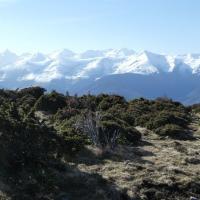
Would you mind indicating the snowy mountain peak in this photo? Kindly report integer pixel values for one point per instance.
(119, 52)
(112, 53)
(7, 57)
(121, 71)
(37, 57)
(62, 54)
(92, 54)
(92, 64)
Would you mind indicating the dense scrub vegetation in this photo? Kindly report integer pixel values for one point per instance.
(38, 130)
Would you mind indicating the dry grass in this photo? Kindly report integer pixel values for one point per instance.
(156, 169)
(152, 170)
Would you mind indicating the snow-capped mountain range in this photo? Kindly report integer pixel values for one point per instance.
(121, 71)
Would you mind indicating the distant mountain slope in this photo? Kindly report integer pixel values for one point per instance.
(121, 71)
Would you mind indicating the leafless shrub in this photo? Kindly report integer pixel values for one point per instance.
(103, 134)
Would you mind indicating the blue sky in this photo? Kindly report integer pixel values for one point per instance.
(162, 26)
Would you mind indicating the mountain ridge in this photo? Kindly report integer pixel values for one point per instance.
(81, 72)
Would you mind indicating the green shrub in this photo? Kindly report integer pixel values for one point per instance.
(130, 136)
(51, 102)
(195, 108)
(66, 113)
(171, 130)
(107, 101)
(36, 92)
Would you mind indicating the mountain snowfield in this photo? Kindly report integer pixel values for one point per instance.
(120, 71)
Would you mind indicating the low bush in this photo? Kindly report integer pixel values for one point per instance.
(51, 102)
(170, 130)
(130, 136)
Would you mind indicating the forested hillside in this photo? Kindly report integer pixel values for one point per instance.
(56, 146)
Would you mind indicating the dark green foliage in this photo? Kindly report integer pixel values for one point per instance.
(195, 108)
(106, 131)
(31, 153)
(127, 134)
(51, 102)
(131, 135)
(171, 130)
(87, 102)
(36, 92)
(156, 114)
(8, 94)
(167, 117)
(107, 101)
(109, 132)
(152, 114)
(32, 149)
(29, 144)
(66, 113)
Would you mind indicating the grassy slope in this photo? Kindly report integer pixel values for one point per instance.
(157, 169)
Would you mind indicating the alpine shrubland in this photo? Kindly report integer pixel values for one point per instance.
(56, 146)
